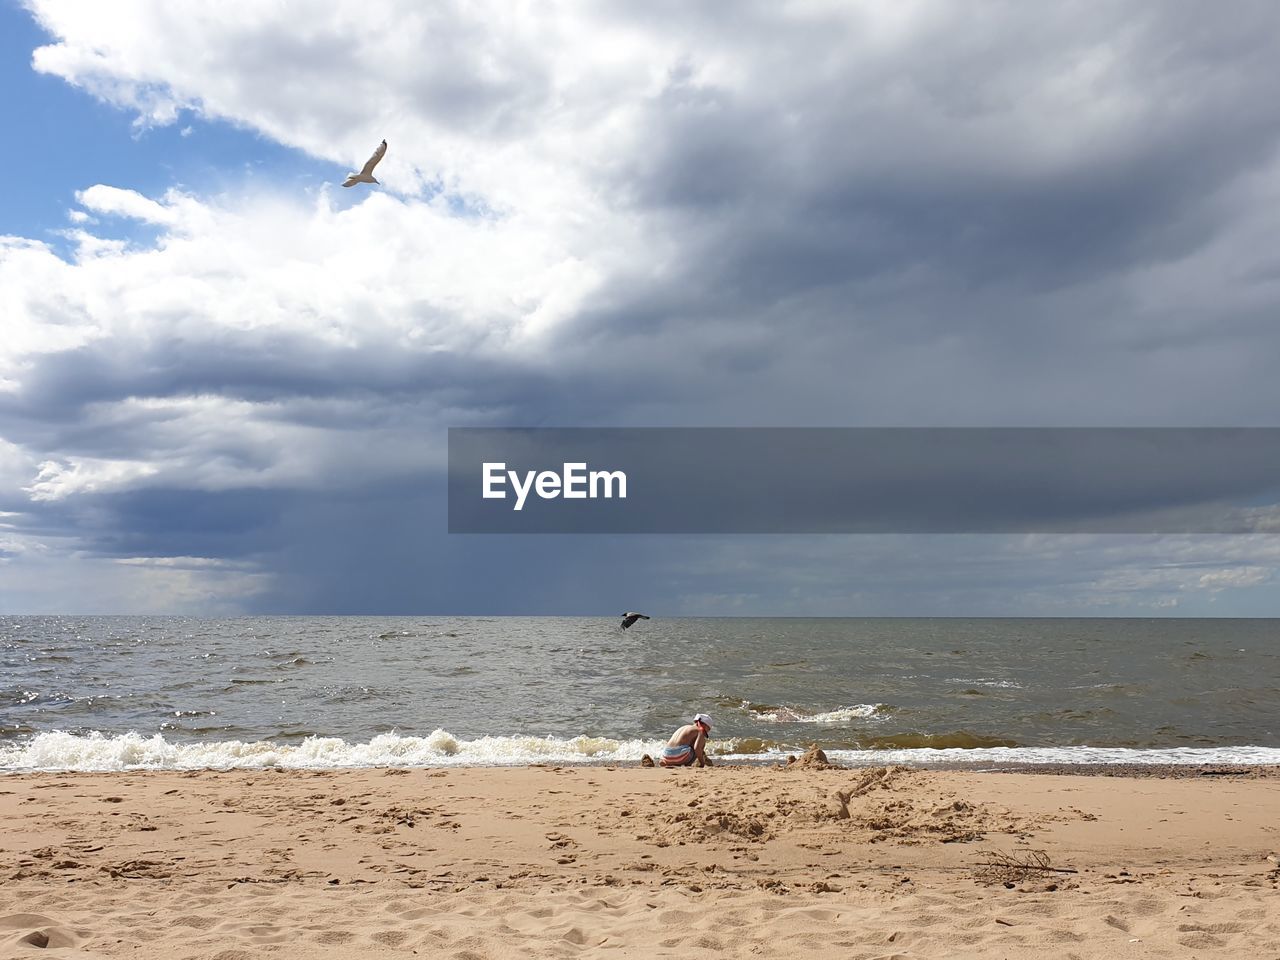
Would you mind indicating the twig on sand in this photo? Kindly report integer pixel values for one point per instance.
(1014, 868)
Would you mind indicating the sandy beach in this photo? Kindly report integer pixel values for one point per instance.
(632, 862)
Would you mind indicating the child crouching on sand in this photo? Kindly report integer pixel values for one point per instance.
(687, 746)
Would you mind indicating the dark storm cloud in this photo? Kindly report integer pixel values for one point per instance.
(223, 525)
(259, 369)
(952, 156)
(943, 233)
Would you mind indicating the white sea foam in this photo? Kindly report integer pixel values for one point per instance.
(860, 711)
(1249, 756)
(132, 751)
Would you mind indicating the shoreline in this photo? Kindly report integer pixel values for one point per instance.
(560, 860)
(1118, 769)
(1160, 771)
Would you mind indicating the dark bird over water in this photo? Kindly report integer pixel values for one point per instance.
(366, 172)
(629, 618)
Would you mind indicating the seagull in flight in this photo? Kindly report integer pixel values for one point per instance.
(629, 618)
(366, 172)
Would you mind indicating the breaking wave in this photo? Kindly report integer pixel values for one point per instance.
(784, 714)
(132, 751)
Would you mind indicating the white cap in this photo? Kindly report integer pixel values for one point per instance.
(704, 718)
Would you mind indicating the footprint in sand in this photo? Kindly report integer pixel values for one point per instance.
(195, 921)
(1201, 941)
(334, 936)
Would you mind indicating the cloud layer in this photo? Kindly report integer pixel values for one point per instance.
(808, 213)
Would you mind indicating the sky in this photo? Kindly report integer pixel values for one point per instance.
(226, 382)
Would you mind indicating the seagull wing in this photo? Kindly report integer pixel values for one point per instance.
(367, 169)
(351, 181)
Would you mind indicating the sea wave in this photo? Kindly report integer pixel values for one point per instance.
(133, 751)
(785, 714)
(97, 752)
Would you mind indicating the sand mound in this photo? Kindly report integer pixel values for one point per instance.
(812, 759)
(22, 932)
(720, 823)
(909, 821)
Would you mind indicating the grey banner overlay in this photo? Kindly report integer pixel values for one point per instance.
(877, 480)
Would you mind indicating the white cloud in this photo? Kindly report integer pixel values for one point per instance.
(1246, 576)
(533, 107)
(126, 203)
(85, 475)
(262, 295)
(182, 563)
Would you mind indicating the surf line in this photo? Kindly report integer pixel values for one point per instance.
(573, 482)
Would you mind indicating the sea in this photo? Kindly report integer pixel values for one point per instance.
(128, 693)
